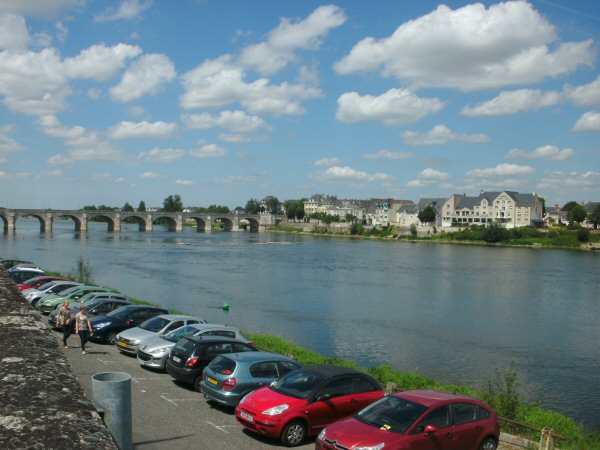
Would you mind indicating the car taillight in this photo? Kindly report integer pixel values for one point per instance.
(191, 362)
(226, 372)
(229, 384)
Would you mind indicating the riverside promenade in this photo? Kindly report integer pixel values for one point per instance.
(45, 390)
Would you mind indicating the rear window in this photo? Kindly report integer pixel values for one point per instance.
(185, 346)
(222, 365)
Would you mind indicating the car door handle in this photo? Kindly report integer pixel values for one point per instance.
(449, 435)
(353, 400)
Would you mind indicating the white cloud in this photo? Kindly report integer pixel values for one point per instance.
(278, 50)
(100, 62)
(208, 151)
(429, 177)
(37, 7)
(120, 180)
(62, 32)
(146, 75)
(8, 144)
(470, 48)
(502, 170)
(219, 82)
(338, 173)
(164, 155)
(395, 107)
(388, 154)
(13, 32)
(102, 176)
(185, 182)
(127, 10)
(236, 121)
(94, 93)
(234, 138)
(585, 95)
(328, 162)
(544, 152)
(144, 130)
(513, 102)
(589, 121)
(150, 176)
(572, 182)
(441, 134)
(14, 176)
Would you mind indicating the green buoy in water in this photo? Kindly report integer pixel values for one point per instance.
(225, 306)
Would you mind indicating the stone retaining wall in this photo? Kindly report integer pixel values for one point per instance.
(42, 405)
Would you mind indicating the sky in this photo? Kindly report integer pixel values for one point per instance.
(221, 101)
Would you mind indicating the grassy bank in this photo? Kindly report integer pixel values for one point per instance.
(501, 393)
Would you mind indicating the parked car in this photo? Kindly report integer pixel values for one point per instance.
(193, 353)
(423, 419)
(35, 282)
(128, 341)
(33, 296)
(229, 377)
(47, 304)
(304, 401)
(20, 274)
(97, 304)
(105, 328)
(154, 351)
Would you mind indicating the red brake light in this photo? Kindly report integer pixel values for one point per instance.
(226, 372)
(191, 362)
(229, 384)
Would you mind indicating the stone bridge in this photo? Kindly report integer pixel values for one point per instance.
(145, 220)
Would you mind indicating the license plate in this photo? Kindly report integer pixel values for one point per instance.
(122, 344)
(247, 417)
(211, 380)
(177, 359)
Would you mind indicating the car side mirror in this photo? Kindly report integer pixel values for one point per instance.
(323, 397)
(429, 429)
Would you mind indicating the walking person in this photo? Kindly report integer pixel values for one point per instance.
(83, 327)
(63, 321)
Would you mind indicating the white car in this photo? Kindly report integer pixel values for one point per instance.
(128, 340)
(33, 296)
(154, 351)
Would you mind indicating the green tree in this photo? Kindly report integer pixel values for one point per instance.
(583, 235)
(294, 209)
(172, 204)
(272, 204)
(82, 271)
(90, 208)
(127, 207)
(577, 213)
(142, 206)
(253, 206)
(495, 233)
(594, 216)
(569, 205)
(427, 214)
(413, 229)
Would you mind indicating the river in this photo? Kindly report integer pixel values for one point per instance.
(454, 313)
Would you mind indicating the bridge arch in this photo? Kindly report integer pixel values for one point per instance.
(250, 223)
(114, 223)
(203, 224)
(79, 224)
(173, 224)
(226, 223)
(140, 219)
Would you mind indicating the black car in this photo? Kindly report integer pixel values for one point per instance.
(193, 353)
(106, 327)
(99, 306)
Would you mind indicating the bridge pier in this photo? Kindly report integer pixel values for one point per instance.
(46, 223)
(9, 224)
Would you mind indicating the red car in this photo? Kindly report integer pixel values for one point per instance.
(305, 400)
(36, 282)
(416, 420)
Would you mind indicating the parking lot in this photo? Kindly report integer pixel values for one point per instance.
(165, 414)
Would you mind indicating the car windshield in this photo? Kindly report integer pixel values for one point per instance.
(121, 313)
(155, 324)
(299, 383)
(87, 297)
(91, 304)
(179, 333)
(45, 286)
(71, 290)
(391, 413)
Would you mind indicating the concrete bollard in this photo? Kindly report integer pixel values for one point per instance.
(111, 393)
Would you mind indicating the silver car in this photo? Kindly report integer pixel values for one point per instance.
(231, 376)
(33, 296)
(128, 340)
(154, 351)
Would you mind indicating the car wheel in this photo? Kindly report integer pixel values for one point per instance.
(197, 383)
(293, 433)
(488, 444)
(34, 302)
(111, 337)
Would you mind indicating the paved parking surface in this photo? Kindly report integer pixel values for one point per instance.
(165, 414)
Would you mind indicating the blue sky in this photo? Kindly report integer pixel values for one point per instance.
(220, 101)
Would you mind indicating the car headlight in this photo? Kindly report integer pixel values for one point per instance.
(100, 325)
(276, 410)
(322, 434)
(159, 351)
(374, 447)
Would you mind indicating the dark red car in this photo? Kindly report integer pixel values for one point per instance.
(305, 400)
(36, 282)
(416, 420)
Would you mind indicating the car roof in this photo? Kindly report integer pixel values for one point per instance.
(429, 397)
(133, 306)
(177, 316)
(26, 269)
(330, 370)
(209, 326)
(200, 339)
(250, 357)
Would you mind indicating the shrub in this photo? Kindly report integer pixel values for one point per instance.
(357, 228)
(413, 229)
(495, 233)
(583, 235)
(502, 394)
(82, 272)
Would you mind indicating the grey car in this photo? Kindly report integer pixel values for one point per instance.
(33, 296)
(231, 376)
(154, 351)
(128, 340)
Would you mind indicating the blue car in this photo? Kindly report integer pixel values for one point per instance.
(105, 328)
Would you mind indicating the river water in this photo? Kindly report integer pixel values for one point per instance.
(454, 313)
